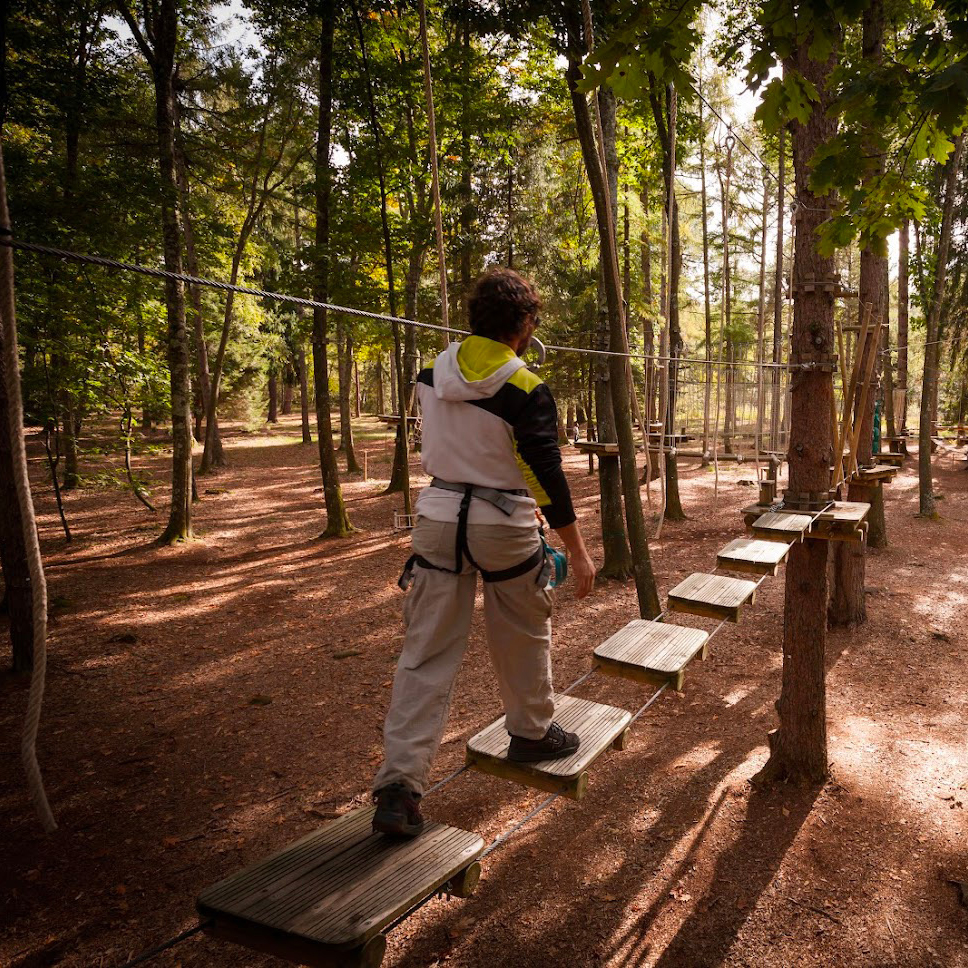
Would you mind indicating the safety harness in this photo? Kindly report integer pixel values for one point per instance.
(501, 499)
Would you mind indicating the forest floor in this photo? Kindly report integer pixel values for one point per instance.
(209, 703)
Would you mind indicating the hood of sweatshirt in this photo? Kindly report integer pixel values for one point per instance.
(474, 369)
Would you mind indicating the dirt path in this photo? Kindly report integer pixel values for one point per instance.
(210, 703)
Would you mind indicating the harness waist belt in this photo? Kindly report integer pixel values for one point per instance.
(501, 499)
(493, 495)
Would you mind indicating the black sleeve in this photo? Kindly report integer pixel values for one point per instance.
(536, 436)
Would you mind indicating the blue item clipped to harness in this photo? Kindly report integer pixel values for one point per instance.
(556, 564)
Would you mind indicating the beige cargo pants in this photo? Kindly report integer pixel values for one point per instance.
(437, 613)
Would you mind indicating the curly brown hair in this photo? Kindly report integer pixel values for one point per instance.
(501, 302)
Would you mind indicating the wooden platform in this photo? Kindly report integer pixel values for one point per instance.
(597, 447)
(714, 596)
(753, 556)
(891, 460)
(843, 521)
(598, 727)
(870, 475)
(652, 652)
(784, 526)
(394, 419)
(325, 899)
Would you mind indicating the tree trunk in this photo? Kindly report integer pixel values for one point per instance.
(337, 521)
(345, 417)
(707, 392)
(212, 456)
(400, 473)
(887, 395)
(647, 594)
(798, 749)
(380, 391)
(648, 319)
(929, 383)
(273, 388)
(18, 595)
(616, 556)
(165, 40)
(71, 429)
(761, 324)
(848, 606)
(778, 296)
(466, 197)
(903, 300)
(287, 390)
(307, 437)
(400, 477)
(665, 124)
(194, 292)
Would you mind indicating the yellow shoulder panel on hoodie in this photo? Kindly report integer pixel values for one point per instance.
(525, 380)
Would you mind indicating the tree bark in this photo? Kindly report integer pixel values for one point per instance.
(337, 521)
(400, 478)
(647, 594)
(707, 304)
(466, 197)
(287, 388)
(616, 556)
(761, 324)
(929, 383)
(778, 297)
(848, 606)
(345, 413)
(159, 49)
(665, 127)
(18, 595)
(903, 301)
(798, 749)
(194, 292)
(307, 437)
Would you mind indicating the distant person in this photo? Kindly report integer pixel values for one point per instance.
(490, 442)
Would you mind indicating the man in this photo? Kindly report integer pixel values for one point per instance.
(490, 436)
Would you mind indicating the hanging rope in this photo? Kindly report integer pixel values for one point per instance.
(155, 273)
(434, 173)
(38, 584)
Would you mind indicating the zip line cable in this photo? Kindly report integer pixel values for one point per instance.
(155, 273)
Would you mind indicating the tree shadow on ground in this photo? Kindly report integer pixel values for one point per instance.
(773, 821)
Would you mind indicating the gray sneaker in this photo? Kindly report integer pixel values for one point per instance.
(555, 745)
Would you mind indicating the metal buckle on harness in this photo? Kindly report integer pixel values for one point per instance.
(406, 576)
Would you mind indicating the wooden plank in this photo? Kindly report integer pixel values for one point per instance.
(598, 727)
(865, 389)
(782, 526)
(714, 596)
(845, 512)
(892, 460)
(394, 418)
(753, 556)
(652, 652)
(596, 447)
(884, 473)
(336, 889)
